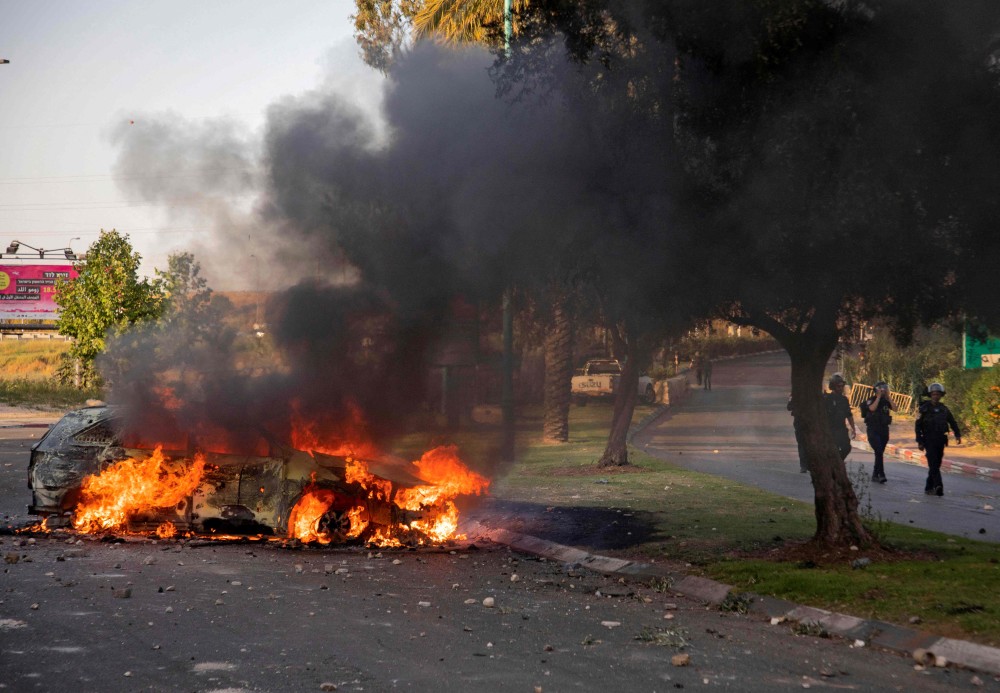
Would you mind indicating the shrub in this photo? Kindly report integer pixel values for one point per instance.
(984, 406)
(907, 369)
(974, 399)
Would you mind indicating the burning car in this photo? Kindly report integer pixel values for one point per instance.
(91, 473)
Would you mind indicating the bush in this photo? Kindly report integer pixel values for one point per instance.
(974, 398)
(984, 410)
(906, 369)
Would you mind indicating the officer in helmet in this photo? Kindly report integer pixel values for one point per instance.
(876, 411)
(933, 421)
(838, 412)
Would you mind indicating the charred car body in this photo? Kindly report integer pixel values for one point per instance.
(235, 493)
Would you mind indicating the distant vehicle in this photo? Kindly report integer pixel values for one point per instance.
(599, 378)
(269, 489)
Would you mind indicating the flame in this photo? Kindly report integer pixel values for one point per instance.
(109, 499)
(447, 478)
(446, 475)
(305, 520)
(166, 530)
(357, 473)
(345, 439)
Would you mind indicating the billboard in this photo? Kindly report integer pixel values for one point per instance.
(980, 350)
(27, 292)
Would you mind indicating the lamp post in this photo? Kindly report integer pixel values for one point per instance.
(15, 246)
(507, 324)
(256, 291)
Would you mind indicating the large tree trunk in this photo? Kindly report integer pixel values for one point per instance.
(616, 452)
(837, 519)
(558, 375)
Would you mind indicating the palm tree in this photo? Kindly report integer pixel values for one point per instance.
(462, 21)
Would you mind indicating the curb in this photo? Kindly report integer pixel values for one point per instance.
(888, 636)
(918, 458)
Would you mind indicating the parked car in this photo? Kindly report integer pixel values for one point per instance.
(599, 378)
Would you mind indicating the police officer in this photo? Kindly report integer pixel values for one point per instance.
(838, 410)
(933, 421)
(877, 419)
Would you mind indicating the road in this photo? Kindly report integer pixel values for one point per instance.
(741, 430)
(84, 614)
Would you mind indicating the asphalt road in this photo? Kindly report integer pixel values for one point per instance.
(82, 614)
(741, 430)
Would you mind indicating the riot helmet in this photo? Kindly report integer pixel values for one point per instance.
(836, 379)
(935, 387)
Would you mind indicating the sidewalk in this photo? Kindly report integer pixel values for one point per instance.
(974, 460)
(21, 417)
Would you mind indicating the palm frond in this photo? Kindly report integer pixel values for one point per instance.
(459, 21)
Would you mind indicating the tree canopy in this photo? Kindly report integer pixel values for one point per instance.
(105, 299)
(836, 165)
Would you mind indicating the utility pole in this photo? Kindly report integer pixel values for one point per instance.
(507, 375)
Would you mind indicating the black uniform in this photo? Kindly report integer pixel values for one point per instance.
(933, 422)
(877, 423)
(838, 408)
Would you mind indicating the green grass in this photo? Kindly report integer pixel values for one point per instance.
(31, 359)
(27, 375)
(43, 394)
(724, 530)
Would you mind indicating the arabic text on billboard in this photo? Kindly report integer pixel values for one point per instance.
(27, 291)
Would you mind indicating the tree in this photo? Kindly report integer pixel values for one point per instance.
(105, 299)
(384, 28)
(187, 336)
(831, 152)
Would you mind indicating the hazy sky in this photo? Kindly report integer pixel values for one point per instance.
(81, 70)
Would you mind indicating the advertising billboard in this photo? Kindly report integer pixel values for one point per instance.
(980, 350)
(27, 292)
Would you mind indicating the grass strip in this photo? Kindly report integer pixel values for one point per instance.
(725, 530)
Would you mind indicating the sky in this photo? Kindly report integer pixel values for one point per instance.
(86, 79)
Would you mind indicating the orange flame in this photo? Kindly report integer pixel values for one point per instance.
(346, 439)
(447, 478)
(304, 522)
(109, 499)
(446, 475)
(166, 530)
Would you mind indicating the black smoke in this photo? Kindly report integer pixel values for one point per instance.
(468, 192)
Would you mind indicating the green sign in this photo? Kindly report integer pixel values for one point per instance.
(980, 353)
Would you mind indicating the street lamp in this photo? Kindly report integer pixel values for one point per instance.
(15, 246)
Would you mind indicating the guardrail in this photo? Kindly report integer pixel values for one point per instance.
(860, 392)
